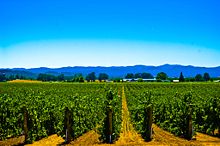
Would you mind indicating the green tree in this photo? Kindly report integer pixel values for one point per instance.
(41, 77)
(206, 76)
(60, 77)
(198, 77)
(129, 76)
(46, 77)
(161, 76)
(117, 79)
(146, 76)
(22, 77)
(81, 79)
(137, 75)
(91, 77)
(140, 80)
(11, 77)
(78, 78)
(103, 76)
(192, 79)
(17, 76)
(181, 78)
(50, 77)
(2, 77)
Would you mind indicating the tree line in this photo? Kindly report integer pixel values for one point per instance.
(162, 76)
(91, 77)
(4, 78)
(198, 77)
(139, 75)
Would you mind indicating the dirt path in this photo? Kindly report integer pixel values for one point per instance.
(51, 140)
(13, 141)
(207, 140)
(128, 135)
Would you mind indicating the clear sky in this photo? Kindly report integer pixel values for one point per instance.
(58, 33)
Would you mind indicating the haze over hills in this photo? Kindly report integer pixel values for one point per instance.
(118, 71)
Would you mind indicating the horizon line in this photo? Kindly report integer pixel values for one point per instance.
(113, 66)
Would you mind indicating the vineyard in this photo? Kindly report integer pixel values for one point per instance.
(38, 110)
(173, 104)
(46, 104)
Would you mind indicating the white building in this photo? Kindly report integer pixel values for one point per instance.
(176, 81)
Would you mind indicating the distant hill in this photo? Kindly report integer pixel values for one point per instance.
(119, 71)
(23, 72)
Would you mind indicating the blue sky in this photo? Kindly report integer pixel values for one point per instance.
(57, 33)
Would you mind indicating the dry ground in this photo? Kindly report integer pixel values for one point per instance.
(24, 81)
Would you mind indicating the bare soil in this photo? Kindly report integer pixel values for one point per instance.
(13, 141)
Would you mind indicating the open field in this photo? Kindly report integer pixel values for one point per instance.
(24, 81)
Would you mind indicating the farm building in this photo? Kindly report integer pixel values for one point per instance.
(176, 81)
(144, 80)
(128, 80)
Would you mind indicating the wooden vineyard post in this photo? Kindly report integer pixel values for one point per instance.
(189, 132)
(68, 122)
(148, 122)
(109, 124)
(109, 118)
(25, 124)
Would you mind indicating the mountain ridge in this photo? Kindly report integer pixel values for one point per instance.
(172, 70)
